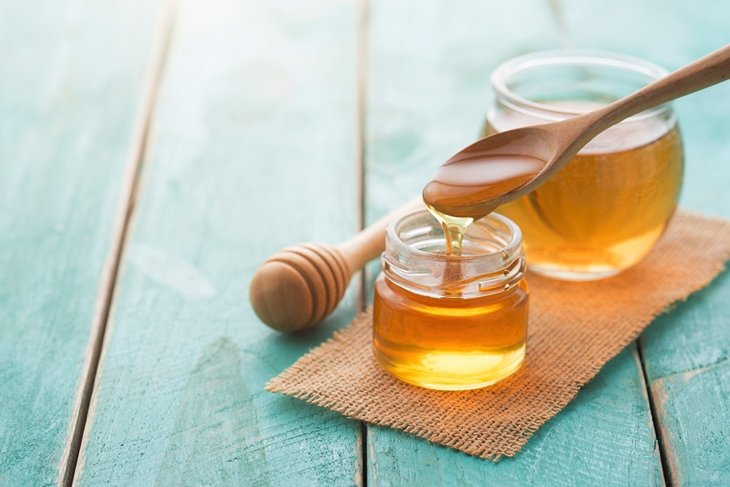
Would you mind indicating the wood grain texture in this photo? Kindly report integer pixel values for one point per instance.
(72, 83)
(686, 354)
(604, 437)
(252, 149)
(671, 34)
(686, 351)
(428, 90)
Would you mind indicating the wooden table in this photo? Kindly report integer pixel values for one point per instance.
(152, 154)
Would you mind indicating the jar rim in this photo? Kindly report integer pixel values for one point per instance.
(512, 248)
(570, 57)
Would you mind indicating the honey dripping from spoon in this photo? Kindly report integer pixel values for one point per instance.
(459, 183)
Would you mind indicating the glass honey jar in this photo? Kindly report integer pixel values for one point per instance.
(608, 206)
(451, 322)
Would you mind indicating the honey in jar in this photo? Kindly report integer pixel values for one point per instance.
(451, 320)
(606, 208)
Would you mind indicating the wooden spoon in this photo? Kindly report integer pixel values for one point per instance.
(298, 286)
(507, 165)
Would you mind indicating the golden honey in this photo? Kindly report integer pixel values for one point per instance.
(602, 212)
(607, 207)
(446, 321)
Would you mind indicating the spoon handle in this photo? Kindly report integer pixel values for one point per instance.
(706, 71)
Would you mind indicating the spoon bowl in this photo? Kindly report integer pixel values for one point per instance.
(480, 177)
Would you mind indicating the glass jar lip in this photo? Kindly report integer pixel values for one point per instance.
(570, 57)
(511, 249)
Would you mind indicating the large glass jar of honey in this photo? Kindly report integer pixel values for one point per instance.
(446, 321)
(609, 205)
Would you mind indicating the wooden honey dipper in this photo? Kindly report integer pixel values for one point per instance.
(299, 286)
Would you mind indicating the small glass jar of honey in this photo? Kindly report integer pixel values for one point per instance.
(606, 208)
(451, 322)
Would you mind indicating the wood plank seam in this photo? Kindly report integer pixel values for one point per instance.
(362, 78)
(584, 443)
(360, 124)
(658, 433)
(563, 27)
(224, 87)
(658, 398)
(691, 372)
(130, 185)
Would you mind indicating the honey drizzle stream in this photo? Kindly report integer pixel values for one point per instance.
(454, 230)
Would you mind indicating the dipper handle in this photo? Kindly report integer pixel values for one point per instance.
(299, 286)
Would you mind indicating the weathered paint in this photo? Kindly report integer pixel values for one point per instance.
(604, 437)
(72, 82)
(253, 148)
(686, 351)
(687, 356)
(428, 91)
(179, 397)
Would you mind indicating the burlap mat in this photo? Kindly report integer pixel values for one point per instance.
(574, 329)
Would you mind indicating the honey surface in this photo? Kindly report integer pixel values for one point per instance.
(605, 209)
(449, 343)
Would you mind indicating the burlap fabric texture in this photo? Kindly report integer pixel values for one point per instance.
(574, 329)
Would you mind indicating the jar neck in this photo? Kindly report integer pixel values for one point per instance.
(533, 83)
(554, 85)
(492, 260)
(466, 285)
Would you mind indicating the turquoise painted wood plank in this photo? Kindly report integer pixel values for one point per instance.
(72, 83)
(604, 437)
(686, 354)
(686, 351)
(428, 90)
(253, 148)
(671, 33)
